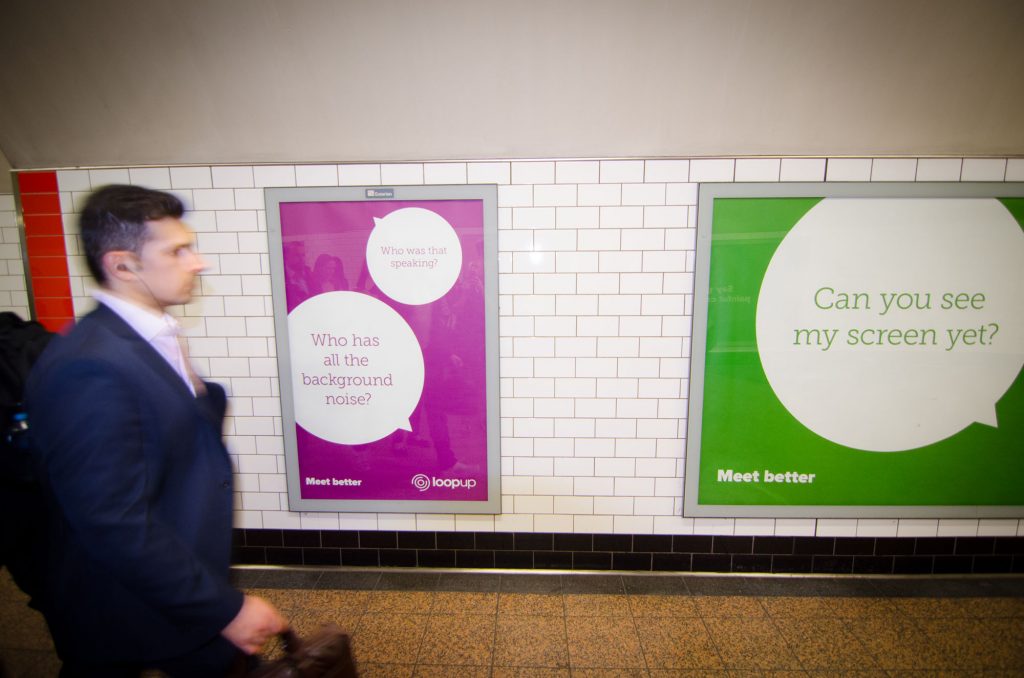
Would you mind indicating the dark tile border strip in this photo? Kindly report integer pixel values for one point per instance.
(645, 553)
(634, 584)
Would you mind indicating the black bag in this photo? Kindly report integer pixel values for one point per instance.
(325, 654)
(22, 507)
(21, 343)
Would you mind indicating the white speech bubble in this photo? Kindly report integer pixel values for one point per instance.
(890, 385)
(357, 367)
(414, 255)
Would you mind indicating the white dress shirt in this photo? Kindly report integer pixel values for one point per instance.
(161, 332)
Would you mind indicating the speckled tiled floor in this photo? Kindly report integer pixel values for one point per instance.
(425, 623)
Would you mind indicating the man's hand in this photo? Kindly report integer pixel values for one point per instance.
(254, 624)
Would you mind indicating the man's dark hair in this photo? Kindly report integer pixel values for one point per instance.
(114, 218)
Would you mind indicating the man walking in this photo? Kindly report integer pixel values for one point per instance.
(128, 447)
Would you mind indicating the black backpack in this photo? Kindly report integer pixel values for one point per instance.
(21, 343)
(22, 507)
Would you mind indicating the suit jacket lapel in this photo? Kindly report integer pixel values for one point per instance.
(141, 348)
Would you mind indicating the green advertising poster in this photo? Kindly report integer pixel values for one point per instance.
(858, 351)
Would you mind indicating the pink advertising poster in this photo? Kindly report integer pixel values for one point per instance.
(384, 345)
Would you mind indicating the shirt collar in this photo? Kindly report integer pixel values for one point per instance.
(143, 321)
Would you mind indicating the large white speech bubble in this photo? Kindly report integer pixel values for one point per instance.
(357, 367)
(875, 379)
(414, 255)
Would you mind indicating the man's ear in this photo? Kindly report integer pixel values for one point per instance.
(119, 265)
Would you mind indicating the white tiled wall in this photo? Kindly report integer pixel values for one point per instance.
(596, 266)
(13, 295)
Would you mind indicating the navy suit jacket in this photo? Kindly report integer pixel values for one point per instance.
(139, 485)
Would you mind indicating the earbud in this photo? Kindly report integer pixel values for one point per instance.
(122, 267)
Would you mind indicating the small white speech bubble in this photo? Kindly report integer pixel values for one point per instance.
(890, 324)
(414, 255)
(357, 367)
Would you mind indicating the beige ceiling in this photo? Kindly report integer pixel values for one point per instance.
(115, 82)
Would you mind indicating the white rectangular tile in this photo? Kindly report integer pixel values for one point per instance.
(957, 527)
(837, 527)
(273, 176)
(577, 262)
(653, 506)
(249, 199)
(515, 196)
(252, 242)
(571, 429)
(534, 504)
(286, 520)
(593, 524)
(599, 239)
(444, 173)
(681, 239)
(533, 466)
(667, 171)
(1015, 169)
(358, 521)
(599, 195)
(757, 169)
(76, 180)
(533, 262)
(316, 175)
(210, 243)
(673, 525)
(577, 172)
(893, 169)
(848, 169)
(996, 527)
(631, 216)
(533, 172)
(231, 177)
(553, 485)
(882, 527)
(325, 521)
(758, 527)
(983, 169)
(433, 522)
(669, 216)
(681, 194)
(802, 169)
(554, 195)
(489, 173)
(722, 526)
(578, 217)
(533, 217)
(643, 194)
(102, 177)
(620, 262)
(939, 169)
(912, 527)
(642, 239)
(240, 264)
(621, 171)
(190, 177)
(402, 174)
(712, 170)
(554, 241)
(364, 174)
(592, 487)
(634, 524)
(574, 505)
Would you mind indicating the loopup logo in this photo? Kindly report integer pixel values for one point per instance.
(422, 482)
